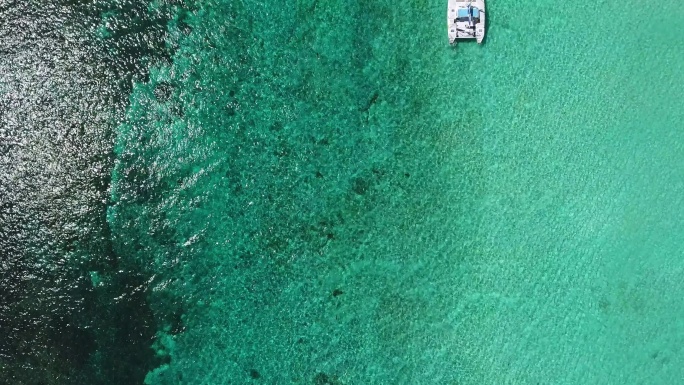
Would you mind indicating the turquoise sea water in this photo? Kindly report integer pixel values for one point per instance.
(308, 192)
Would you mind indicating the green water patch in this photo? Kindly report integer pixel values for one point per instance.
(326, 193)
(295, 187)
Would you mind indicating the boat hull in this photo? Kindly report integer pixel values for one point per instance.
(466, 20)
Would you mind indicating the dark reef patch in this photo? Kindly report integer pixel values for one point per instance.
(254, 374)
(325, 379)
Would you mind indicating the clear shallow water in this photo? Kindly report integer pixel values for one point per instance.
(325, 193)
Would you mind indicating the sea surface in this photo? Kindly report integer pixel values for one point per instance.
(327, 193)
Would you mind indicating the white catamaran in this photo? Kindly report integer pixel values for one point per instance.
(466, 20)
